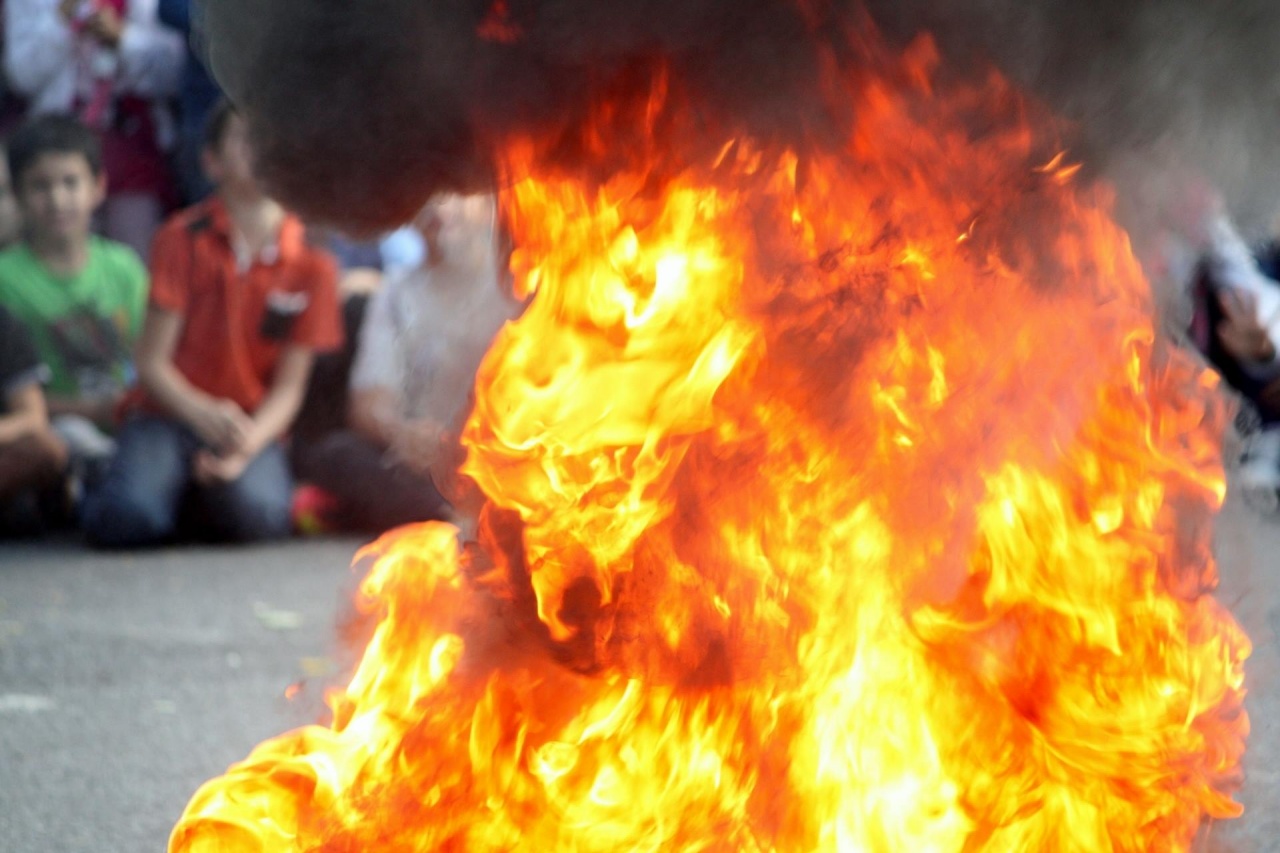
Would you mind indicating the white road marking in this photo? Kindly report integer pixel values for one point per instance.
(21, 703)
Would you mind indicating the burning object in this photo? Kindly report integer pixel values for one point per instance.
(841, 497)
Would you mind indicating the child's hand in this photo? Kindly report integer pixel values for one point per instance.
(223, 425)
(209, 468)
(106, 25)
(1242, 334)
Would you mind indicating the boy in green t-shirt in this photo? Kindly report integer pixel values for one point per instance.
(81, 297)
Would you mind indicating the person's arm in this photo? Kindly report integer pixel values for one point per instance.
(221, 423)
(38, 45)
(421, 443)
(372, 414)
(271, 421)
(284, 398)
(33, 454)
(152, 55)
(27, 414)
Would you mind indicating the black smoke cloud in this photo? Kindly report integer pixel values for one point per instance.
(358, 115)
(361, 110)
(1153, 87)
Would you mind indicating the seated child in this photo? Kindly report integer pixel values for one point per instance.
(31, 457)
(239, 305)
(81, 297)
(112, 65)
(423, 338)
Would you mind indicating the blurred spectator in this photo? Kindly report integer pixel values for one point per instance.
(12, 107)
(423, 338)
(1236, 324)
(31, 456)
(196, 98)
(363, 266)
(80, 296)
(10, 215)
(324, 408)
(239, 304)
(113, 65)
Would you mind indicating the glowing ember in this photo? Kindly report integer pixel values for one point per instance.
(840, 497)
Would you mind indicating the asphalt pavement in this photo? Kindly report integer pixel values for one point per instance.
(127, 680)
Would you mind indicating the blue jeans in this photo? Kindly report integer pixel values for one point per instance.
(149, 494)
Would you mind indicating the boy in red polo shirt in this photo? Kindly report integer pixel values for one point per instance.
(239, 305)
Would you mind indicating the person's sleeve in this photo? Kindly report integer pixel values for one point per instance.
(375, 364)
(134, 275)
(176, 14)
(320, 326)
(38, 45)
(171, 271)
(20, 364)
(151, 55)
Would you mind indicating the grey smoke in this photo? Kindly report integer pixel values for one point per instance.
(1147, 82)
(360, 114)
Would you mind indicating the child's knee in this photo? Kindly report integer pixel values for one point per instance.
(32, 462)
(50, 451)
(116, 518)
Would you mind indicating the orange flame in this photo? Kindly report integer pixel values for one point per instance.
(841, 498)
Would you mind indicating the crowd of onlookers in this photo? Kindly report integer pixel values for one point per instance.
(181, 357)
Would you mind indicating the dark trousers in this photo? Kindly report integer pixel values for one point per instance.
(373, 495)
(33, 494)
(149, 495)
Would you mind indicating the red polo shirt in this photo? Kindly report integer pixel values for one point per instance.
(240, 313)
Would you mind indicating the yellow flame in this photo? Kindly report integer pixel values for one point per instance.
(811, 526)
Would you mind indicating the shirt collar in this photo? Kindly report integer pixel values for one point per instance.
(289, 244)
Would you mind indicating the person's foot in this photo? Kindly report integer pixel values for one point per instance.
(82, 437)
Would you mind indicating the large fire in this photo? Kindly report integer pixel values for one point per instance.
(841, 497)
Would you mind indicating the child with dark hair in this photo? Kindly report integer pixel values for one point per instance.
(80, 296)
(32, 457)
(239, 306)
(113, 66)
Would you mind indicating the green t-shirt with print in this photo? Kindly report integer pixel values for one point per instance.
(84, 326)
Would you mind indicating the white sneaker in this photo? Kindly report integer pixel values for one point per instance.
(83, 437)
